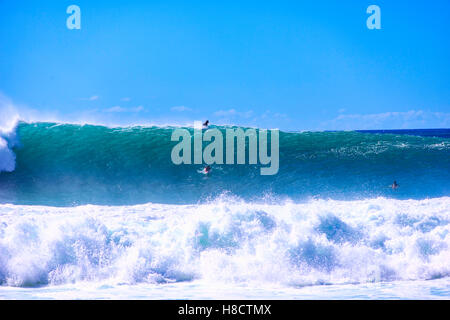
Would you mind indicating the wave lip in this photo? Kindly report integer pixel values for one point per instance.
(7, 157)
(8, 139)
(227, 241)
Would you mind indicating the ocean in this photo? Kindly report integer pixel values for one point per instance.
(96, 212)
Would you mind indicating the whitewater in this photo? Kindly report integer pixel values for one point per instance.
(289, 248)
(90, 212)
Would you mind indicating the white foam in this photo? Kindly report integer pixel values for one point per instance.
(227, 241)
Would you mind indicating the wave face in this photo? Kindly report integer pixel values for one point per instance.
(69, 165)
(227, 241)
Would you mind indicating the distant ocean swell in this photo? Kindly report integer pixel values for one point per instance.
(227, 241)
(70, 165)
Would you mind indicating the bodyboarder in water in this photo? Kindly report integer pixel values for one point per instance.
(206, 124)
(207, 170)
(394, 185)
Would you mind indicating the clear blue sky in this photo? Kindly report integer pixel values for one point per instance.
(296, 65)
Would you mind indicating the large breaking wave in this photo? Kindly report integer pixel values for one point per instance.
(69, 165)
(84, 203)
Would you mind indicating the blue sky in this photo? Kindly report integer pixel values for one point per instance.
(294, 65)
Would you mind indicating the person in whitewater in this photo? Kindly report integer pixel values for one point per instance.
(206, 124)
(394, 185)
(207, 170)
